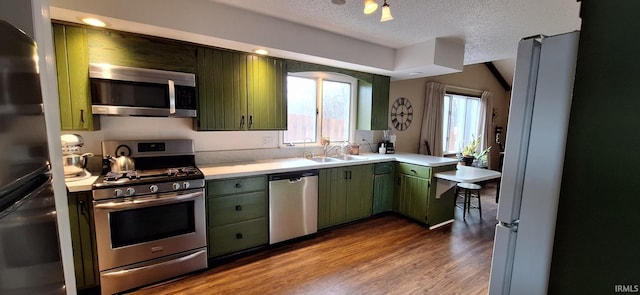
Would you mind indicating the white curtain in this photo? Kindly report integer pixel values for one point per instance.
(432, 119)
(486, 114)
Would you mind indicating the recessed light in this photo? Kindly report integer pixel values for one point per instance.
(93, 22)
(415, 73)
(261, 51)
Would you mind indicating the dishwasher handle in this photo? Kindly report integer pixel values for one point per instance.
(293, 176)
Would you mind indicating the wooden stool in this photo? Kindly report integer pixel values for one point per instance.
(469, 190)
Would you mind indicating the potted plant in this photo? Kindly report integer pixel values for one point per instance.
(470, 152)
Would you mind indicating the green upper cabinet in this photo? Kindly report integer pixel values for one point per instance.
(266, 93)
(222, 90)
(72, 65)
(140, 51)
(239, 91)
(344, 194)
(373, 103)
(76, 47)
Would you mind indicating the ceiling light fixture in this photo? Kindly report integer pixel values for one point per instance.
(261, 51)
(93, 22)
(386, 12)
(370, 6)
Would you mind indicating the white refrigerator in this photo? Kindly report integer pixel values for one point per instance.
(533, 162)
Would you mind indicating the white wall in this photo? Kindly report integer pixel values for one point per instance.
(474, 77)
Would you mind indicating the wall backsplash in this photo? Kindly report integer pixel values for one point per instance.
(212, 147)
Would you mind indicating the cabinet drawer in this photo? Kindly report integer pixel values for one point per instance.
(383, 168)
(236, 208)
(236, 185)
(238, 236)
(415, 170)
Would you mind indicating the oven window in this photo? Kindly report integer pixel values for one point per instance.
(134, 226)
(132, 94)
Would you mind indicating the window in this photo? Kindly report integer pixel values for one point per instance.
(319, 105)
(461, 122)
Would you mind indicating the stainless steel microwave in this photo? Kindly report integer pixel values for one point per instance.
(127, 91)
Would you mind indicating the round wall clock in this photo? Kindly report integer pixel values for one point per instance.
(401, 113)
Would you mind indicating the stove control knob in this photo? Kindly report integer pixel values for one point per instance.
(176, 186)
(153, 188)
(117, 192)
(186, 185)
(131, 191)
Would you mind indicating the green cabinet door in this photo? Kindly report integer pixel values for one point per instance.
(266, 93)
(72, 66)
(344, 194)
(239, 91)
(359, 192)
(441, 204)
(417, 191)
(222, 90)
(85, 259)
(380, 103)
(373, 103)
(383, 187)
(413, 191)
(331, 200)
(140, 51)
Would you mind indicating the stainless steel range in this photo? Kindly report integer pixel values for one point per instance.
(150, 222)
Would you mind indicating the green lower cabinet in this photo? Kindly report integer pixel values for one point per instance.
(237, 236)
(383, 187)
(85, 256)
(344, 194)
(416, 194)
(236, 214)
(441, 203)
(413, 197)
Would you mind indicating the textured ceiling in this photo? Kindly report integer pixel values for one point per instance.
(490, 29)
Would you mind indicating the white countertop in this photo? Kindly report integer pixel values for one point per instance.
(468, 174)
(228, 170)
(220, 171)
(82, 184)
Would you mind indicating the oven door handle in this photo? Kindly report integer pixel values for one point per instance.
(148, 202)
(172, 97)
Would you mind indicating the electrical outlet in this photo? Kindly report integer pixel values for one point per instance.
(267, 140)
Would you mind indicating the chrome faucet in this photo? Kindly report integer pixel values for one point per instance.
(328, 149)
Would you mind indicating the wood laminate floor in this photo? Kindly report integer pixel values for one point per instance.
(384, 255)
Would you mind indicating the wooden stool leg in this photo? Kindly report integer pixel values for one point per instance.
(479, 204)
(465, 209)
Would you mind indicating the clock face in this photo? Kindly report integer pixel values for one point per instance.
(401, 113)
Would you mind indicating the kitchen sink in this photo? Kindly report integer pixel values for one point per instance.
(347, 158)
(325, 160)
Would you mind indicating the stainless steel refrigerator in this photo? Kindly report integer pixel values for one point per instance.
(30, 260)
(533, 162)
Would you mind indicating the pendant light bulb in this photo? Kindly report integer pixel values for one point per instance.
(370, 6)
(386, 12)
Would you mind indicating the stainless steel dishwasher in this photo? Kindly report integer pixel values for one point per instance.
(293, 205)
